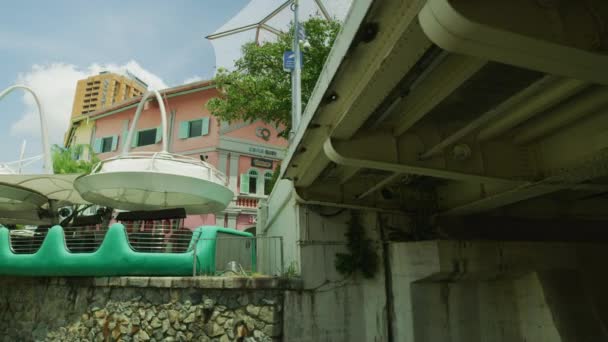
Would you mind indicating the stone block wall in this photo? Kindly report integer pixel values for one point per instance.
(141, 309)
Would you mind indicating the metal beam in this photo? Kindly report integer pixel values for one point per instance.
(346, 173)
(447, 77)
(232, 31)
(341, 159)
(488, 116)
(579, 107)
(556, 93)
(593, 167)
(380, 185)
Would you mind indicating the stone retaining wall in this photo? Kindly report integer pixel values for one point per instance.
(141, 309)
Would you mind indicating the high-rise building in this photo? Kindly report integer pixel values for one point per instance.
(104, 90)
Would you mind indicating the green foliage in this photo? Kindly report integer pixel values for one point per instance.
(361, 254)
(291, 271)
(259, 88)
(65, 160)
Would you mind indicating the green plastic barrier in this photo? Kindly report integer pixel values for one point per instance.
(114, 257)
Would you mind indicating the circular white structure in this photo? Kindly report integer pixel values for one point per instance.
(16, 198)
(157, 180)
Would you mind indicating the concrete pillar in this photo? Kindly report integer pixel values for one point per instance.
(222, 160)
(234, 172)
(476, 291)
(220, 219)
(232, 220)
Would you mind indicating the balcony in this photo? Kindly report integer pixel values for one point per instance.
(247, 202)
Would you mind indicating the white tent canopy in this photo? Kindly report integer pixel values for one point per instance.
(262, 17)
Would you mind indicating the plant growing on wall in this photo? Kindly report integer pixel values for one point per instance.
(259, 89)
(361, 254)
(65, 159)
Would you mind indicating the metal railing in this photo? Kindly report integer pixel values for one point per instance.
(84, 239)
(159, 241)
(24, 241)
(88, 239)
(240, 256)
(213, 173)
(81, 239)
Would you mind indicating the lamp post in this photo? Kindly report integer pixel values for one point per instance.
(296, 94)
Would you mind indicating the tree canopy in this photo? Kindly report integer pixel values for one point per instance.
(259, 89)
(65, 160)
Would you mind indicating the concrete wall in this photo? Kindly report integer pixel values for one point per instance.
(458, 291)
(497, 291)
(339, 308)
(278, 217)
(331, 307)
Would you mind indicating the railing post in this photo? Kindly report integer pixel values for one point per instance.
(281, 248)
(194, 258)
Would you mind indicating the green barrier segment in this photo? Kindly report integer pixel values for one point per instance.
(115, 257)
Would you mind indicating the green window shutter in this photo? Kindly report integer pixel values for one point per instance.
(244, 183)
(114, 142)
(184, 127)
(135, 138)
(97, 145)
(205, 125)
(159, 134)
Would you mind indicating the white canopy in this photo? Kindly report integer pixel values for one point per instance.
(54, 187)
(262, 17)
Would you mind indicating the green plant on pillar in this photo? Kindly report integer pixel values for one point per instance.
(66, 159)
(259, 89)
(361, 256)
(291, 271)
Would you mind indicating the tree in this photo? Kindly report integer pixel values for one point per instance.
(259, 88)
(65, 159)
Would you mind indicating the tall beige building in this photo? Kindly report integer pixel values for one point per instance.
(104, 90)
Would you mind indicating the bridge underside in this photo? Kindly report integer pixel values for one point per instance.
(452, 109)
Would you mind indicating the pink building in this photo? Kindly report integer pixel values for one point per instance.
(247, 153)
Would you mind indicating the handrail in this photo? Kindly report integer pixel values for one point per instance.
(166, 156)
(163, 118)
(46, 147)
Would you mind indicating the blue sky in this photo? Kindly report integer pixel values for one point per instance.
(48, 44)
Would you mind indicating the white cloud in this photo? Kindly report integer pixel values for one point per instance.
(192, 79)
(55, 85)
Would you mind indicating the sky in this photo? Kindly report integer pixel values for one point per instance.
(49, 45)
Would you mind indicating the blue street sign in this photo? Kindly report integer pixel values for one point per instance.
(289, 60)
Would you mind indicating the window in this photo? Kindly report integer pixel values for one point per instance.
(106, 144)
(267, 182)
(253, 181)
(249, 182)
(147, 137)
(193, 128)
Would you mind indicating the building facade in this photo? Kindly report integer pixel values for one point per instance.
(247, 153)
(104, 90)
